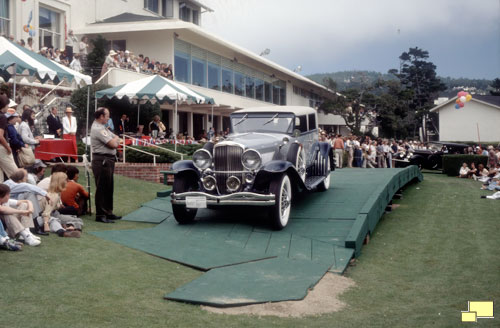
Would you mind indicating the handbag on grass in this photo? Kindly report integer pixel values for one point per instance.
(26, 157)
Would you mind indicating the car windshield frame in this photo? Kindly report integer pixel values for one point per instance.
(261, 122)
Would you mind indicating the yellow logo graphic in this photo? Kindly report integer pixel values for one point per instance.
(478, 310)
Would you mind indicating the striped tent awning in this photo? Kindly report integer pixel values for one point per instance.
(35, 65)
(153, 89)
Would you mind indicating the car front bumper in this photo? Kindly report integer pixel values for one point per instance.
(238, 198)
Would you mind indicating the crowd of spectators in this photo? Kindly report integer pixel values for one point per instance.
(74, 55)
(488, 175)
(32, 205)
(365, 152)
(141, 64)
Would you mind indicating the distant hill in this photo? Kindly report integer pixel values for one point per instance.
(354, 79)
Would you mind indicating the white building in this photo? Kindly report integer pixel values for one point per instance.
(478, 120)
(168, 31)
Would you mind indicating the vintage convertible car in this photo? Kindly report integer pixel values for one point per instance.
(270, 153)
(430, 158)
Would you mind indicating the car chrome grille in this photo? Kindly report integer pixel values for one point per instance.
(227, 158)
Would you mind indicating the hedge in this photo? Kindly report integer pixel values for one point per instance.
(185, 149)
(453, 163)
(164, 156)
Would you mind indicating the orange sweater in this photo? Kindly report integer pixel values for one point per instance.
(69, 194)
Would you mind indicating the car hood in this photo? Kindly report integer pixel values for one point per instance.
(262, 142)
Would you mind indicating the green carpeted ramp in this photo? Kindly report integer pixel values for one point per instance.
(270, 280)
(197, 249)
(154, 211)
(147, 215)
(325, 231)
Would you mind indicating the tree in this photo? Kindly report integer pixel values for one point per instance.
(329, 83)
(79, 102)
(496, 87)
(357, 108)
(418, 76)
(95, 59)
(393, 116)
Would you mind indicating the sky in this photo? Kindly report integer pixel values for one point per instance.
(322, 36)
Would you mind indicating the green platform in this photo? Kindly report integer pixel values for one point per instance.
(155, 211)
(250, 263)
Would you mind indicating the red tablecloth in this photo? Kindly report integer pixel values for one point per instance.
(54, 148)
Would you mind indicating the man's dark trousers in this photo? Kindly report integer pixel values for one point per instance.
(103, 167)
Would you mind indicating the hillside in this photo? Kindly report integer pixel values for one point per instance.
(354, 79)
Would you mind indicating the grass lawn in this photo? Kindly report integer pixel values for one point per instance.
(427, 258)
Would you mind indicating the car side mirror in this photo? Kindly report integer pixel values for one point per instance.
(296, 133)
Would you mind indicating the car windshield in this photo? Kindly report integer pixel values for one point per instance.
(262, 122)
(434, 147)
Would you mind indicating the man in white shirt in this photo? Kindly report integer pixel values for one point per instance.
(349, 147)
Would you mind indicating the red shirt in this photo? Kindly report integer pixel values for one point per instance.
(69, 194)
(338, 143)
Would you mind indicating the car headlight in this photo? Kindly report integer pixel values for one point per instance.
(202, 159)
(251, 159)
(209, 182)
(233, 183)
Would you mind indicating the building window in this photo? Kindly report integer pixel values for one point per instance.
(249, 85)
(184, 12)
(196, 17)
(214, 76)
(152, 5)
(283, 94)
(182, 67)
(50, 28)
(259, 89)
(167, 8)
(199, 72)
(276, 93)
(4, 18)
(216, 72)
(268, 92)
(239, 84)
(227, 80)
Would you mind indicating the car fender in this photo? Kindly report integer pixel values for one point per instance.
(275, 167)
(417, 159)
(209, 146)
(185, 166)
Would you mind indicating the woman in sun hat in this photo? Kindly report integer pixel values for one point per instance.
(69, 127)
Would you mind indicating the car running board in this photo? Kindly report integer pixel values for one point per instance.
(313, 181)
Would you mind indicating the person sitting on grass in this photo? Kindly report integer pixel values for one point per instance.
(74, 197)
(464, 171)
(472, 171)
(45, 183)
(36, 172)
(482, 173)
(21, 190)
(494, 171)
(7, 243)
(17, 217)
(63, 225)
